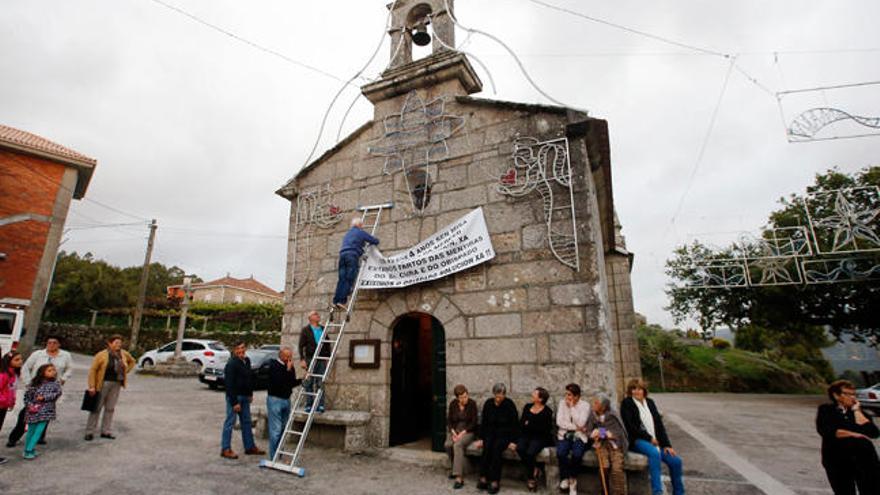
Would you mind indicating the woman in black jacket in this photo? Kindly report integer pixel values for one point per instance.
(499, 428)
(536, 425)
(647, 435)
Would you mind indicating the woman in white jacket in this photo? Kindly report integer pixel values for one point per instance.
(572, 439)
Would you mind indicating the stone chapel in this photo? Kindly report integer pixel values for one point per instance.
(555, 304)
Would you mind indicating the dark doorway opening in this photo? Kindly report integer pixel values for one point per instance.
(418, 381)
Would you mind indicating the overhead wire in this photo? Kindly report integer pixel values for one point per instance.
(509, 50)
(469, 54)
(348, 83)
(248, 42)
(705, 141)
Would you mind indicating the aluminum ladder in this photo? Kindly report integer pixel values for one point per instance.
(285, 460)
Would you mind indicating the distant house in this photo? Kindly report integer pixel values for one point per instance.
(229, 290)
(38, 180)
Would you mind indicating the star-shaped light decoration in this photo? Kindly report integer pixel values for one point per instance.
(854, 229)
(774, 271)
(417, 137)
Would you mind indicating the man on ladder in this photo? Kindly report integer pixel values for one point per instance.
(320, 366)
(349, 257)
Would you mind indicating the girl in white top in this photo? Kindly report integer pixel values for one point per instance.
(571, 417)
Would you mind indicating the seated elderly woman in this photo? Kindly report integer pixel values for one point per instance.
(535, 424)
(462, 423)
(647, 435)
(571, 436)
(499, 429)
(609, 439)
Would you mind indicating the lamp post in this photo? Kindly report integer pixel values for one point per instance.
(184, 309)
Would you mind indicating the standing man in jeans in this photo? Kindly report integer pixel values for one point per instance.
(107, 376)
(309, 338)
(239, 381)
(349, 258)
(282, 379)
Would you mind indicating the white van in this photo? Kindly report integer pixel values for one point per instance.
(11, 323)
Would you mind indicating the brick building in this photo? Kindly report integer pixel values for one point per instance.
(38, 179)
(555, 304)
(230, 290)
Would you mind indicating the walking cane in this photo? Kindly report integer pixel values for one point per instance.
(601, 471)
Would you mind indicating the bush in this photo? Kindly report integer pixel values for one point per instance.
(719, 343)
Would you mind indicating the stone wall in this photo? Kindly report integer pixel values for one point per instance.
(523, 318)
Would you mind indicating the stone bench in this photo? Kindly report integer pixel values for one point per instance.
(635, 465)
(337, 429)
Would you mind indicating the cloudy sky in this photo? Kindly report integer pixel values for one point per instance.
(197, 129)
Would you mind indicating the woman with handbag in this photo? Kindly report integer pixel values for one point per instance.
(571, 436)
(39, 401)
(10, 367)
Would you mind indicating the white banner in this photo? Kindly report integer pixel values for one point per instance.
(458, 246)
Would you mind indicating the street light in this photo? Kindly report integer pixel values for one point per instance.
(184, 308)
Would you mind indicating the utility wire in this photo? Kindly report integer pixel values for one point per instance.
(705, 142)
(509, 50)
(249, 42)
(823, 88)
(348, 83)
(71, 191)
(631, 30)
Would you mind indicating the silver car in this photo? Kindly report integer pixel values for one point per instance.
(869, 398)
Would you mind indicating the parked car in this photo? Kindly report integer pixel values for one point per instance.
(11, 326)
(869, 398)
(202, 352)
(212, 375)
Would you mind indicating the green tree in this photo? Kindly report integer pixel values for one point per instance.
(790, 320)
(82, 283)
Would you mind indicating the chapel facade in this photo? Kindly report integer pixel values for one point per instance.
(554, 306)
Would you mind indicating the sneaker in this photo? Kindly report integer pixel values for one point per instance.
(90, 437)
(30, 455)
(458, 485)
(11, 445)
(563, 485)
(3, 460)
(108, 436)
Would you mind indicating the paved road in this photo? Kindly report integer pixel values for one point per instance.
(773, 434)
(168, 442)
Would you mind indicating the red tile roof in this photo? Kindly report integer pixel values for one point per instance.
(241, 283)
(25, 141)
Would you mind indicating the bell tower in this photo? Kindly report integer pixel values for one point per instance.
(423, 22)
(411, 21)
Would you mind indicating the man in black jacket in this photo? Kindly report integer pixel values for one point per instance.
(239, 381)
(309, 338)
(282, 379)
(848, 454)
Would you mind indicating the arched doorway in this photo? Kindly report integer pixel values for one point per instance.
(418, 381)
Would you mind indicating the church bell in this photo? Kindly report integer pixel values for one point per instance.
(420, 34)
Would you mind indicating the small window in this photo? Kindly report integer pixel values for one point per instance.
(419, 182)
(168, 347)
(7, 321)
(237, 298)
(192, 346)
(217, 346)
